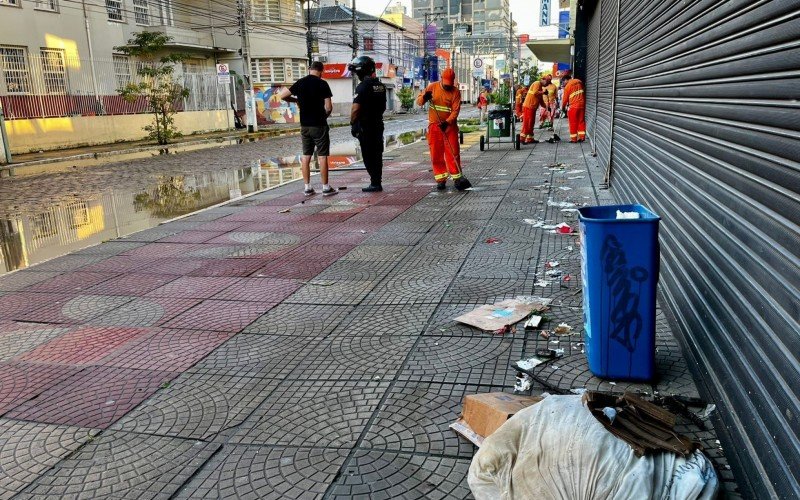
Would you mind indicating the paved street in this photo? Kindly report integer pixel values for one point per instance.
(284, 347)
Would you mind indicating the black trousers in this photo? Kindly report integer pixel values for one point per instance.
(371, 142)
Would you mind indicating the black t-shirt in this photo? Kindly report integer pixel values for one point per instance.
(311, 92)
(371, 95)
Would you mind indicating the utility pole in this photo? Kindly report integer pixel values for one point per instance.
(355, 44)
(309, 36)
(249, 93)
(4, 147)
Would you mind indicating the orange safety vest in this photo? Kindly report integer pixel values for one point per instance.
(445, 105)
(550, 94)
(574, 94)
(533, 100)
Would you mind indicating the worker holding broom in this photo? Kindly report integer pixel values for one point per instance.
(529, 107)
(444, 104)
(575, 98)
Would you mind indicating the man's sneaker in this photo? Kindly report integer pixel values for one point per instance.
(309, 192)
(329, 192)
(372, 189)
(441, 186)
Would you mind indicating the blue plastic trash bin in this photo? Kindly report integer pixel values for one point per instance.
(620, 264)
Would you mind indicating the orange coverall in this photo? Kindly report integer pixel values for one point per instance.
(574, 96)
(532, 102)
(549, 103)
(447, 103)
(518, 100)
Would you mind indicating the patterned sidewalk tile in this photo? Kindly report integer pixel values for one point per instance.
(165, 349)
(385, 320)
(28, 450)
(197, 406)
(480, 291)
(145, 311)
(176, 266)
(78, 309)
(21, 381)
(160, 250)
(330, 414)
(299, 320)
(83, 345)
(464, 360)
(233, 267)
(415, 418)
(365, 357)
(74, 282)
(220, 315)
(189, 287)
(18, 304)
(123, 465)
(191, 237)
(266, 473)
(341, 292)
(260, 356)
(131, 284)
(18, 338)
(96, 397)
(260, 290)
(385, 475)
(21, 279)
(232, 251)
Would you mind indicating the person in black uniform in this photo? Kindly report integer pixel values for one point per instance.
(366, 119)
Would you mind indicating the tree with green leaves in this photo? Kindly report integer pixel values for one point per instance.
(406, 96)
(158, 85)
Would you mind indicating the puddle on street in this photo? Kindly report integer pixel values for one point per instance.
(35, 229)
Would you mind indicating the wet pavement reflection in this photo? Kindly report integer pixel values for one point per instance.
(66, 209)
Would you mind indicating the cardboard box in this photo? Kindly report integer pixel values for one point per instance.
(485, 413)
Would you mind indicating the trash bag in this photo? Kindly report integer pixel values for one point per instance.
(558, 449)
(497, 114)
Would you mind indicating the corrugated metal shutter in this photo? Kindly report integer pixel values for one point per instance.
(707, 134)
(592, 67)
(605, 80)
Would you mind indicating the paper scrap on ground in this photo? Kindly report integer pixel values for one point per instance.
(492, 317)
(560, 204)
(539, 224)
(463, 428)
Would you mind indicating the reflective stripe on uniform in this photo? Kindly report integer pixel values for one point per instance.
(441, 108)
(440, 176)
(456, 176)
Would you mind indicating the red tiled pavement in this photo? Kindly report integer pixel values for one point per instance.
(20, 381)
(220, 315)
(166, 349)
(84, 345)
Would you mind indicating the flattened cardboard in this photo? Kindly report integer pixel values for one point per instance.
(485, 413)
(492, 317)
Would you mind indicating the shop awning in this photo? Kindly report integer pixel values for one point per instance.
(551, 50)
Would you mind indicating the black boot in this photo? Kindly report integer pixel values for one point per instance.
(462, 183)
(441, 185)
(372, 188)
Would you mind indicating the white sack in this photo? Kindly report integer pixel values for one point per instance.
(557, 449)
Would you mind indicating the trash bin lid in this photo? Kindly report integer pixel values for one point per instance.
(608, 213)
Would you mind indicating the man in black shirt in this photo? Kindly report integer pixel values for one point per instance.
(313, 96)
(366, 119)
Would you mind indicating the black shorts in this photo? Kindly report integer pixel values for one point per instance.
(318, 137)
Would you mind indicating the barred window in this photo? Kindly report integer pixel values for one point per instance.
(114, 10)
(141, 12)
(298, 11)
(122, 70)
(298, 69)
(15, 72)
(9, 2)
(265, 10)
(51, 5)
(54, 73)
(268, 70)
(44, 225)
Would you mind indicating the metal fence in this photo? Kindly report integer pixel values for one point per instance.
(52, 84)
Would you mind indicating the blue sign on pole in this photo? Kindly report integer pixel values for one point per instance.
(419, 68)
(563, 24)
(544, 13)
(433, 67)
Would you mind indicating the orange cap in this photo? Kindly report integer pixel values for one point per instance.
(449, 77)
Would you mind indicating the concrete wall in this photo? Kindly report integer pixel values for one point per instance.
(53, 133)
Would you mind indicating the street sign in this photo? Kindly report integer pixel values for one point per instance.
(477, 63)
(544, 13)
(223, 74)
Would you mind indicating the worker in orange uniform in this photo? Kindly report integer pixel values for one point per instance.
(550, 92)
(575, 98)
(529, 107)
(519, 98)
(444, 100)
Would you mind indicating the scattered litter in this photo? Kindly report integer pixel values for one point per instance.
(563, 329)
(483, 414)
(627, 215)
(475, 189)
(579, 391)
(556, 165)
(284, 211)
(342, 188)
(524, 383)
(610, 413)
(709, 409)
(533, 322)
(565, 188)
(545, 334)
(492, 240)
(569, 211)
(552, 263)
(542, 283)
(493, 317)
(528, 364)
(377, 377)
(569, 248)
(554, 273)
(506, 329)
(578, 171)
(560, 204)
(563, 228)
(533, 299)
(612, 383)
(363, 232)
(575, 177)
(539, 223)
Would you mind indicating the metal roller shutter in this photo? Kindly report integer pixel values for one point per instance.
(605, 80)
(707, 133)
(592, 67)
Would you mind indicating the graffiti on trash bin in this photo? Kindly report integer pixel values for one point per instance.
(624, 293)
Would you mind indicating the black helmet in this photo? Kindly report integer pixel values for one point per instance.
(363, 66)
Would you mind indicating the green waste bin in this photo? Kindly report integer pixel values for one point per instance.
(500, 123)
